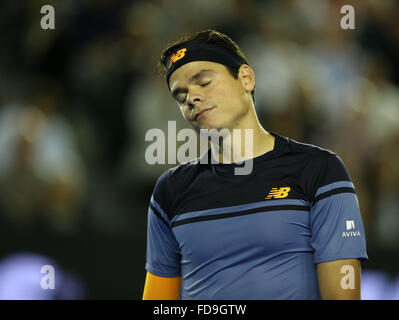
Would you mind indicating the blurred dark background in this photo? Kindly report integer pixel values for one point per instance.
(76, 102)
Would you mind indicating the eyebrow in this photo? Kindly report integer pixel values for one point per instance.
(195, 77)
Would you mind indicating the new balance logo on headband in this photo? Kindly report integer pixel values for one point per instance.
(176, 56)
(201, 52)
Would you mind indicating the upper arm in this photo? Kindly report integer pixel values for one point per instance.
(339, 279)
(163, 250)
(338, 236)
(161, 288)
(335, 219)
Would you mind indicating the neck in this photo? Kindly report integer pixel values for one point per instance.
(243, 143)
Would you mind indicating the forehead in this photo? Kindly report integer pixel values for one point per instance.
(185, 72)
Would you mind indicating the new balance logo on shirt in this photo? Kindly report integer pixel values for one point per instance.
(278, 193)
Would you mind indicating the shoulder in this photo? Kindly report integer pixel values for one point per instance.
(178, 174)
(171, 182)
(315, 167)
(294, 146)
(312, 155)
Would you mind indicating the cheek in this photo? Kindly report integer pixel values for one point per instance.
(227, 93)
(183, 111)
(221, 91)
(186, 112)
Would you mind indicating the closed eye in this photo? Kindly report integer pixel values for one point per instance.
(205, 84)
(179, 95)
(181, 100)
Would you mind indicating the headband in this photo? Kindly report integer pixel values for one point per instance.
(201, 52)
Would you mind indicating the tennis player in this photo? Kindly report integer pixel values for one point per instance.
(291, 229)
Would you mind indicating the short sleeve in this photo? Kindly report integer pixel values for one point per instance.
(335, 219)
(163, 255)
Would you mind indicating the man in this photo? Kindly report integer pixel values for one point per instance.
(290, 229)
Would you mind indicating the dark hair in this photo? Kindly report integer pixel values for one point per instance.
(209, 37)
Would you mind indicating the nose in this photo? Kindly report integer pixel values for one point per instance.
(191, 105)
(193, 99)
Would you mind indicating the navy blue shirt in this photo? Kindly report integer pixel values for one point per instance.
(256, 236)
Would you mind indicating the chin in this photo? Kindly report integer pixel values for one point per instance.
(210, 126)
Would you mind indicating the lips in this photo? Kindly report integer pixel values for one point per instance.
(201, 113)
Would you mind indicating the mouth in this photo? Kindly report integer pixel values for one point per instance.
(201, 114)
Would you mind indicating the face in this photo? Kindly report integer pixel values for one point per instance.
(208, 95)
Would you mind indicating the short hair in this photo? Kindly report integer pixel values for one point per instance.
(208, 36)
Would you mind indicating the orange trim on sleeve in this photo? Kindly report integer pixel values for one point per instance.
(161, 288)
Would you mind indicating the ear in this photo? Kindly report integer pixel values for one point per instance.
(247, 77)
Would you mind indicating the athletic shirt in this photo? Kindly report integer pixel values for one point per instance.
(256, 236)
